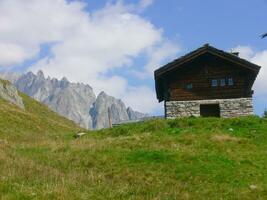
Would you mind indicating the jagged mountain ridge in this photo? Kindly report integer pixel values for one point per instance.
(75, 101)
(68, 99)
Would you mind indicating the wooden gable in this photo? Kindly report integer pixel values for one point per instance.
(198, 68)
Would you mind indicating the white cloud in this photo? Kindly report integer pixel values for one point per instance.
(245, 52)
(157, 55)
(86, 46)
(145, 3)
(142, 98)
(27, 24)
(11, 54)
(259, 58)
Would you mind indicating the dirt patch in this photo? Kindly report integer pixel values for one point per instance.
(225, 138)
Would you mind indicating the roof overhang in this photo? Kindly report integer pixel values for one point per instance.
(179, 63)
(201, 51)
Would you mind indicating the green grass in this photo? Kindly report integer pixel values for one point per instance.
(191, 158)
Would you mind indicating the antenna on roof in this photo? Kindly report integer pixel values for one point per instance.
(232, 51)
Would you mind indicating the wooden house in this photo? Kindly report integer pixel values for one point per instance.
(207, 82)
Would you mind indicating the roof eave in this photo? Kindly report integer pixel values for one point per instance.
(170, 66)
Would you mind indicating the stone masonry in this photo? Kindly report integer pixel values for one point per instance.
(228, 107)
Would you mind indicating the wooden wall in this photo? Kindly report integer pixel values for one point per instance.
(200, 73)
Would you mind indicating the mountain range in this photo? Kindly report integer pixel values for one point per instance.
(75, 101)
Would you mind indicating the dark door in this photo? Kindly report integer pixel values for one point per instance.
(210, 110)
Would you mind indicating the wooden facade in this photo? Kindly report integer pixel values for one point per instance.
(207, 73)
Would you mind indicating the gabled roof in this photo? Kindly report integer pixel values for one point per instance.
(203, 50)
(162, 73)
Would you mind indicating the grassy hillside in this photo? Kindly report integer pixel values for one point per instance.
(35, 120)
(160, 159)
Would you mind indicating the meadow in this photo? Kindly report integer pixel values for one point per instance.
(193, 158)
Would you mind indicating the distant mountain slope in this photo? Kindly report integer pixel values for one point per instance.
(9, 93)
(31, 118)
(75, 101)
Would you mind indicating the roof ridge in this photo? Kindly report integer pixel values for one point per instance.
(201, 50)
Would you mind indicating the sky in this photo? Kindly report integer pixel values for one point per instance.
(115, 45)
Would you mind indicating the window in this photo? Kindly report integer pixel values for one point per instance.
(230, 81)
(189, 86)
(214, 83)
(222, 82)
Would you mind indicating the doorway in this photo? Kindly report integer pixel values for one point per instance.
(210, 110)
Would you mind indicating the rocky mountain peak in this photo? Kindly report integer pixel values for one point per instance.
(10, 76)
(102, 95)
(64, 82)
(29, 74)
(106, 107)
(75, 101)
(40, 74)
(64, 79)
(134, 115)
(9, 93)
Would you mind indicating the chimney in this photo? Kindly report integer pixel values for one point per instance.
(235, 53)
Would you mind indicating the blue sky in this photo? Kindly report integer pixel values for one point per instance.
(224, 24)
(157, 32)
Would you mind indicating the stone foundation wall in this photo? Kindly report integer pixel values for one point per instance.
(228, 107)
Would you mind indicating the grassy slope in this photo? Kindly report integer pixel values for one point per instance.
(35, 127)
(161, 159)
